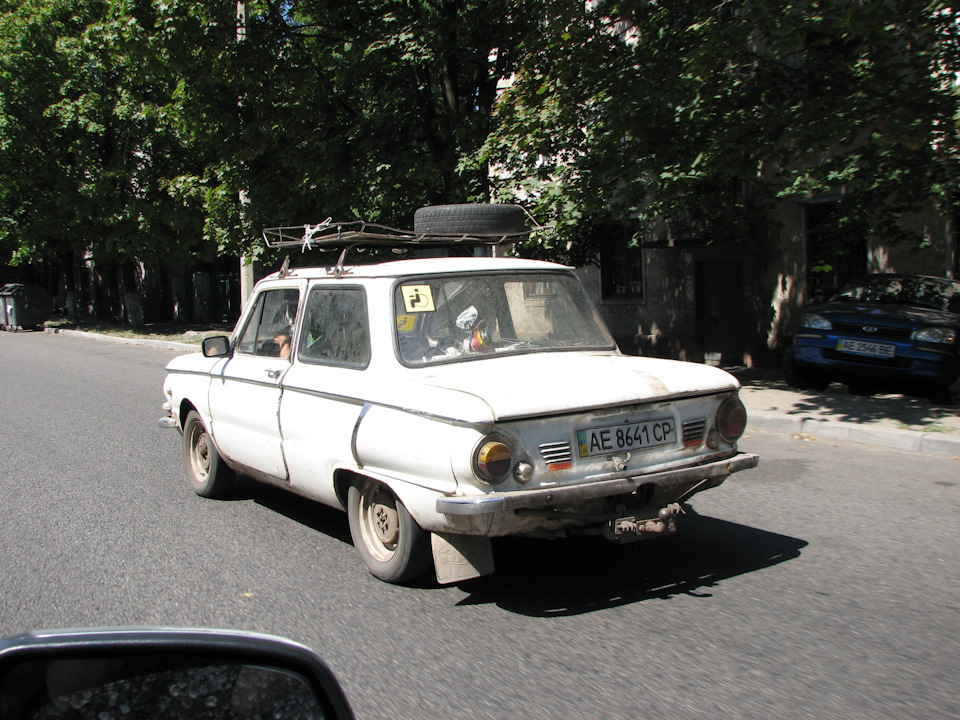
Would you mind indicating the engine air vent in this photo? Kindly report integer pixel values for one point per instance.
(556, 452)
(693, 431)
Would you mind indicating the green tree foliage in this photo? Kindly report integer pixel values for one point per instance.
(166, 132)
(151, 128)
(33, 218)
(86, 138)
(693, 117)
(348, 110)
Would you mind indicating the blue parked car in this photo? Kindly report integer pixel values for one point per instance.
(897, 332)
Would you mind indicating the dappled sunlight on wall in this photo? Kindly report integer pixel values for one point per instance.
(787, 296)
(879, 260)
(930, 252)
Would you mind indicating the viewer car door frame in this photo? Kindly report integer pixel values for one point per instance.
(245, 393)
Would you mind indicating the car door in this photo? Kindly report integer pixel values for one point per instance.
(245, 395)
(324, 392)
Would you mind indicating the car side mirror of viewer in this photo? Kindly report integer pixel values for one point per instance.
(157, 673)
(218, 346)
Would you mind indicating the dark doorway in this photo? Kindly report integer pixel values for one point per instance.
(720, 311)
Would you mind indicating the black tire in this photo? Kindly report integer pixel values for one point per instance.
(864, 388)
(470, 218)
(800, 378)
(207, 474)
(945, 394)
(391, 544)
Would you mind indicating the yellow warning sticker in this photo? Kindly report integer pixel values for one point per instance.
(417, 298)
(406, 323)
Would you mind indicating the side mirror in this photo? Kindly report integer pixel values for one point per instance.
(155, 674)
(218, 346)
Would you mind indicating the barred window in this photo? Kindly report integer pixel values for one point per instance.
(621, 263)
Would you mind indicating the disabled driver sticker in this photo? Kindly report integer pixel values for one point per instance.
(417, 298)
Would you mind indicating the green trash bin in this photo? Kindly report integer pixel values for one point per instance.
(23, 307)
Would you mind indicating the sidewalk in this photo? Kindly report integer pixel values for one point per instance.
(895, 421)
(892, 420)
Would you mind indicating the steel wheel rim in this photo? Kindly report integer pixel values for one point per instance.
(200, 442)
(379, 521)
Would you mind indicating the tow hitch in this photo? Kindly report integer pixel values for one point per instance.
(631, 529)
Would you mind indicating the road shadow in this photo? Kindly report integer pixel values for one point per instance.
(559, 578)
(309, 513)
(563, 578)
(838, 403)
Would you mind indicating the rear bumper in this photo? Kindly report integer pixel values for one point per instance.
(597, 488)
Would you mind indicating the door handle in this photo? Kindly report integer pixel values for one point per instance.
(273, 374)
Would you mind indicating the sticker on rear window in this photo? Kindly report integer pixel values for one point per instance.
(417, 298)
(406, 323)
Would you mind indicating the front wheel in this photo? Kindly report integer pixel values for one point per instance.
(801, 378)
(208, 475)
(391, 544)
(864, 388)
(946, 394)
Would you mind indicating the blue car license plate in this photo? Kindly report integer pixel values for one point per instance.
(863, 347)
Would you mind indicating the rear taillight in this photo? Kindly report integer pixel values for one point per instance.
(731, 419)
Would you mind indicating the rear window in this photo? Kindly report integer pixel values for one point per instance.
(463, 317)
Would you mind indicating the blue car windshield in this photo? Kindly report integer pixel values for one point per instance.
(923, 292)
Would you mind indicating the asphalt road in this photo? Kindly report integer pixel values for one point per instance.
(824, 583)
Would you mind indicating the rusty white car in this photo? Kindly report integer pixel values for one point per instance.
(445, 401)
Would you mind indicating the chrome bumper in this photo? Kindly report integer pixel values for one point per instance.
(543, 497)
(169, 421)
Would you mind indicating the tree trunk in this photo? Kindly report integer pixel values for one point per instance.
(133, 309)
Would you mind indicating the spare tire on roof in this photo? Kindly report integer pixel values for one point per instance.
(471, 218)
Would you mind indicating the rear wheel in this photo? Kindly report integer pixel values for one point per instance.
(391, 544)
(207, 474)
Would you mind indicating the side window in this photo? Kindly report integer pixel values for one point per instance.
(269, 330)
(335, 327)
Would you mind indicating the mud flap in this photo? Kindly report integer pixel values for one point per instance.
(461, 557)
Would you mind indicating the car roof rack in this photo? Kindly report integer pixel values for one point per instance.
(330, 235)
(346, 236)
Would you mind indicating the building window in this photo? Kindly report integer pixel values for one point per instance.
(621, 263)
(833, 260)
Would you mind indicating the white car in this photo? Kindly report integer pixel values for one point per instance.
(445, 401)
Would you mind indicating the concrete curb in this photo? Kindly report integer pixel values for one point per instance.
(162, 344)
(820, 429)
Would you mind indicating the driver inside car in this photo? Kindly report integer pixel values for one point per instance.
(282, 341)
